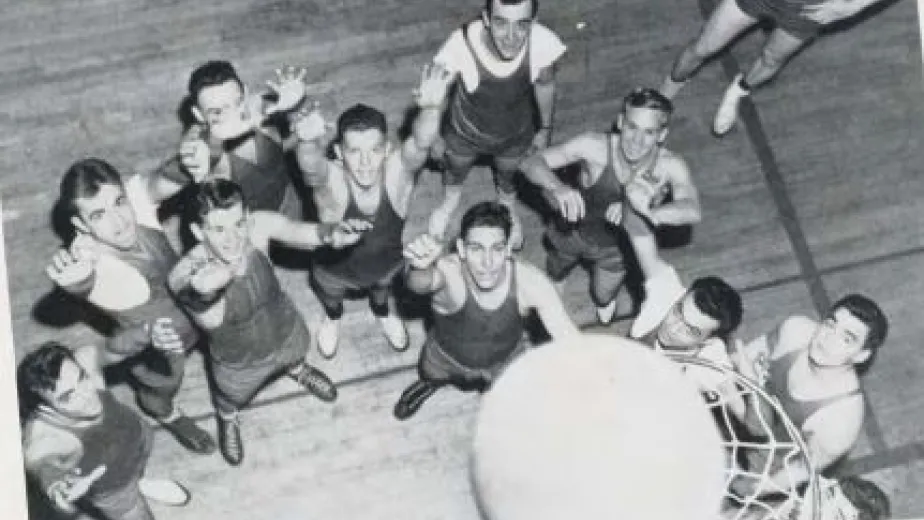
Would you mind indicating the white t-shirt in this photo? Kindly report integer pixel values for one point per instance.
(544, 49)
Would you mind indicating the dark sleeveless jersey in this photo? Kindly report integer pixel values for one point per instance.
(501, 110)
(153, 257)
(797, 410)
(121, 441)
(265, 183)
(594, 228)
(258, 317)
(480, 338)
(377, 253)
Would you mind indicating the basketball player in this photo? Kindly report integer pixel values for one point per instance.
(234, 138)
(118, 261)
(81, 446)
(479, 297)
(504, 61)
(368, 179)
(625, 178)
(796, 23)
(698, 325)
(228, 284)
(811, 368)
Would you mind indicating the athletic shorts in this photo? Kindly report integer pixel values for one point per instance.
(783, 14)
(237, 385)
(436, 365)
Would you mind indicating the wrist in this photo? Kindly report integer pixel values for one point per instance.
(326, 233)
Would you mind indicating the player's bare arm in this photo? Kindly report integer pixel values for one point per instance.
(684, 208)
(539, 168)
(544, 89)
(267, 226)
(535, 291)
(424, 269)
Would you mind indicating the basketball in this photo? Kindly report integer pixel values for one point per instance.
(604, 428)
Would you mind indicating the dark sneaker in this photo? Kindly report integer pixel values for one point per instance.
(229, 438)
(413, 397)
(316, 382)
(191, 436)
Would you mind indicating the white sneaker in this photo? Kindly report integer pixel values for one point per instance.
(395, 331)
(661, 292)
(328, 337)
(605, 314)
(164, 491)
(727, 114)
(670, 88)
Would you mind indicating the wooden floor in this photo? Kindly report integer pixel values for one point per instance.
(818, 193)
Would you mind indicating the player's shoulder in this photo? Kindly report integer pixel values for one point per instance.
(797, 324)
(544, 33)
(672, 162)
(41, 439)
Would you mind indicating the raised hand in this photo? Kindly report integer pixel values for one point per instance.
(289, 87)
(308, 123)
(433, 87)
(67, 491)
(194, 153)
(164, 336)
(423, 252)
(569, 203)
(614, 213)
(348, 232)
(71, 267)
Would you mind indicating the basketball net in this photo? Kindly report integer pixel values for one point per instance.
(778, 446)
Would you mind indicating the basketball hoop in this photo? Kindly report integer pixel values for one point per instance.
(780, 446)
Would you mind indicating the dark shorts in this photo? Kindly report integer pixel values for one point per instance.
(466, 150)
(335, 284)
(567, 248)
(783, 14)
(237, 385)
(436, 365)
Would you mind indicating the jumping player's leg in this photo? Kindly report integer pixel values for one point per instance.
(505, 170)
(458, 164)
(157, 377)
(780, 46)
(331, 291)
(725, 23)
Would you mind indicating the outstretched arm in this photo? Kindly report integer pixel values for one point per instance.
(310, 130)
(536, 291)
(269, 225)
(424, 275)
(199, 284)
(430, 96)
(539, 168)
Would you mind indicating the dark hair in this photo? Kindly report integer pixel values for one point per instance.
(360, 117)
(871, 502)
(718, 300)
(867, 312)
(210, 74)
(486, 214)
(38, 372)
(84, 179)
(533, 3)
(216, 194)
(644, 97)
